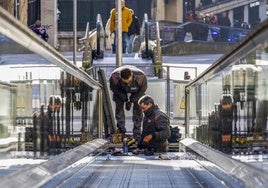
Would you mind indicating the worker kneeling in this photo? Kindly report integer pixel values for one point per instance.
(155, 128)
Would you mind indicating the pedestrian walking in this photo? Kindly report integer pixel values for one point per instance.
(126, 21)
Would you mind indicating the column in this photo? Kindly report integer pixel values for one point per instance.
(231, 16)
(49, 17)
(158, 10)
(246, 14)
(23, 11)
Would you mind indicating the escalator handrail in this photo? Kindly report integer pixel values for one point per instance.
(145, 32)
(21, 34)
(100, 32)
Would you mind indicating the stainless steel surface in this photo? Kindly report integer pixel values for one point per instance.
(39, 174)
(172, 170)
(251, 175)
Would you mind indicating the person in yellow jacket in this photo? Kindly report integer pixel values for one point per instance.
(126, 22)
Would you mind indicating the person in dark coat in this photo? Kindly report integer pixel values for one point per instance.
(155, 128)
(224, 21)
(133, 31)
(128, 84)
(40, 30)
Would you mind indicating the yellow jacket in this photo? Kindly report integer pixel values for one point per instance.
(126, 19)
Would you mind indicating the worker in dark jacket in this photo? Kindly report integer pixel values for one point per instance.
(156, 126)
(128, 84)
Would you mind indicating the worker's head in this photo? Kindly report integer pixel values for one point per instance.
(186, 75)
(126, 76)
(54, 103)
(146, 102)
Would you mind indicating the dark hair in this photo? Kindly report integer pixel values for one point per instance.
(125, 73)
(187, 76)
(146, 99)
(54, 99)
(37, 23)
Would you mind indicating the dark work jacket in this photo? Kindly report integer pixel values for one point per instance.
(156, 123)
(137, 88)
(134, 28)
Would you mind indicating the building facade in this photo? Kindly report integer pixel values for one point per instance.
(249, 11)
(58, 14)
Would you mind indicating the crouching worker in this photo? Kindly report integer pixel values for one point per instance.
(128, 80)
(155, 128)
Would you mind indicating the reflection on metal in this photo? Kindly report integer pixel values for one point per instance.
(13, 29)
(231, 115)
(251, 176)
(37, 176)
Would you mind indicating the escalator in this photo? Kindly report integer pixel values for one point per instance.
(93, 45)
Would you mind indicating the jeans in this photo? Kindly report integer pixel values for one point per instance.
(130, 43)
(124, 42)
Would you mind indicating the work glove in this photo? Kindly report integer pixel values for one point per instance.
(147, 138)
(132, 98)
(123, 97)
(128, 105)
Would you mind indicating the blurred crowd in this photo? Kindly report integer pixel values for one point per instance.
(219, 19)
